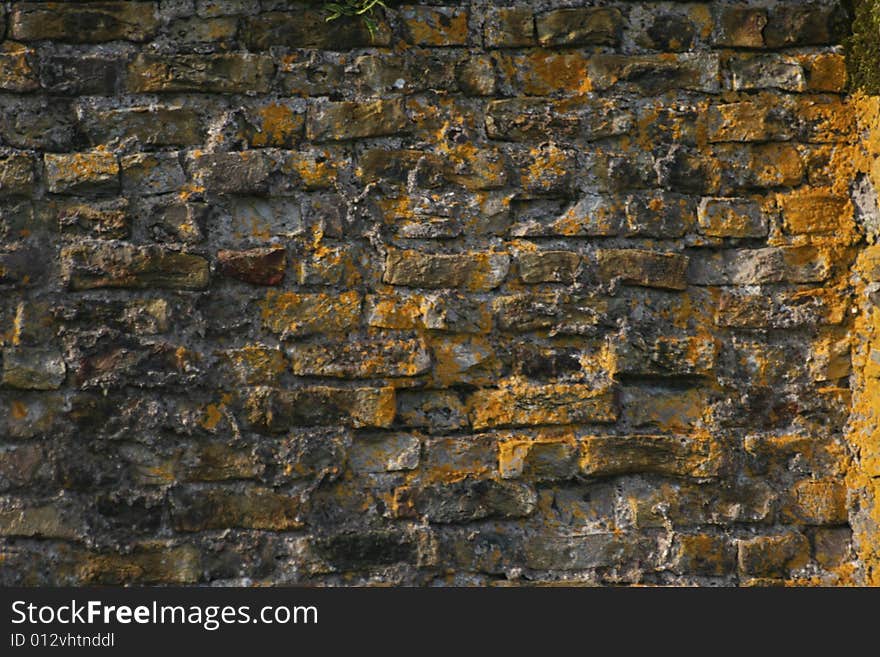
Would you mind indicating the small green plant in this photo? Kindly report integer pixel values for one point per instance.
(362, 8)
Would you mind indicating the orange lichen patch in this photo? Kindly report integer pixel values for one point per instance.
(18, 410)
(545, 73)
(394, 311)
(289, 313)
(313, 170)
(279, 125)
(810, 210)
(825, 72)
(548, 165)
(211, 418)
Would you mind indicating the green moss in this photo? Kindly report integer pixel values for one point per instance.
(863, 46)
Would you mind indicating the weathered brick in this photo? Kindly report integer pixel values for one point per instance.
(194, 510)
(18, 70)
(473, 271)
(77, 173)
(549, 460)
(767, 72)
(48, 521)
(151, 126)
(468, 500)
(580, 27)
(732, 217)
(217, 73)
(665, 356)
(33, 368)
(355, 120)
(749, 121)
(307, 28)
(680, 456)
(151, 173)
(244, 172)
(435, 26)
(654, 74)
(783, 309)
(90, 74)
(99, 265)
(815, 211)
(292, 314)
(16, 174)
(539, 405)
(548, 266)
(276, 411)
(509, 27)
(258, 266)
(147, 565)
(560, 312)
(818, 502)
(773, 556)
(645, 268)
(433, 410)
(704, 554)
(388, 357)
(385, 453)
(92, 22)
(740, 27)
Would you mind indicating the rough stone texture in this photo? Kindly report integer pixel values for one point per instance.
(511, 292)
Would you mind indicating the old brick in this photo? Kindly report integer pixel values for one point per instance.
(544, 460)
(732, 217)
(815, 211)
(93, 22)
(98, 265)
(818, 502)
(659, 215)
(749, 121)
(665, 356)
(46, 521)
(77, 173)
(473, 271)
(645, 268)
(773, 556)
(292, 314)
(354, 120)
(89, 74)
(434, 410)
(560, 312)
(680, 456)
(218, 73)
(767, 72)
(195, 510)
(740, 27)
(385, 453)
(654, 74)
(258, 266)
(539, 405)
(435, 26)
(580, 27)
(16, 174)
(17, 68)
(275, 410)
(805, 24)
(509, 27)
(527, 119)
(307, 28)
(548, 266)
(151, 173)
(33, 368)
(470, 499)
(244, 172)
(388, 357)
(146, 565)
(703, 554)
(783, 309)
(151, 126)
(255, 364)
(547, 551)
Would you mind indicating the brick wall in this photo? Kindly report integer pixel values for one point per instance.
(506, 292)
